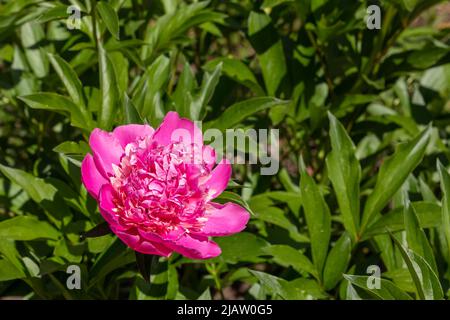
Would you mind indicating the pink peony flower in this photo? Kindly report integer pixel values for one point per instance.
(155, 188)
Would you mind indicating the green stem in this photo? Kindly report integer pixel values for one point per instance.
(211, 268)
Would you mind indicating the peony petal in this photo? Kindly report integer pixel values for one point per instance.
(174, 127)
(91, 178)
(195, 247)
(107, 151)
(153, 248)
(209, 156)
(153, 237)
(107, 206)
(224, 220)
(131, 238)
(218, 179)
(136, 243)
(131, 132)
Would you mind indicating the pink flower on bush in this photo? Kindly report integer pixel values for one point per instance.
(155, 188)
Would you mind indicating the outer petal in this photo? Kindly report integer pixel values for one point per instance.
(152, 237)
(174, 127)
(136, 243)
(195, 247)
(91, 178)
(218, 179)
(224, 220)
(131, 132)
(106, 204)
(107, 151)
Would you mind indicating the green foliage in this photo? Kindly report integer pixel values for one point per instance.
(364, 144)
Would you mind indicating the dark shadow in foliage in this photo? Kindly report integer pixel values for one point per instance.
(263, 40)
(152, 289)
(277, 235)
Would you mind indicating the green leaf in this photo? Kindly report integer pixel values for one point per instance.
(240, 247)
(161, 286)
(410, 4)
(41, 192)
(32, 35)
(73, 152)
(445, 187)
(70, 252)
(393, 173)
(286, 181)
(428, 213)
(8, 271)
(109, 90)
(426, 192)
(318, 219)
(387, 290)
(237, 71)
(71, 147)
(109, 17)
(274, 3)
(25, 228)
(209, 83)
(70, 79)
(337, 262)
(387, 251)
(100, 244)
(416, 238)
(425, 279)
(171, 27)
(265, 40)
(9, 252)
(291, 199)
(305, 289)
(277, 217)
(226, 196)
(401, 277)
(25, 81)
(344, 171)
(131, 114)
(350, 293)
(56, 102)
(182, 97)
(147, 94)
(121, 68)
(239, 111)
(275, 286)
(287, 256)
(206, 295)
(114, 257)
(36, 188)
(145, 263)
(427, 57)
(53, 13)
(299, 289)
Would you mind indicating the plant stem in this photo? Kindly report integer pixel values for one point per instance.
(214, 272)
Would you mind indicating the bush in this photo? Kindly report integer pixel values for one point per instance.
(363, 186)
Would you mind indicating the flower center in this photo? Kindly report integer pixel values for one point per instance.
(157, 187)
